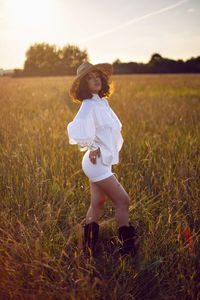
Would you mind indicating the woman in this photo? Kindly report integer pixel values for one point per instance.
(97, 129)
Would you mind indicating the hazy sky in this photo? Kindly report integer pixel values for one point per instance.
(131, 30)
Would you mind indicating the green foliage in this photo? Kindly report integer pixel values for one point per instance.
(45, 194)
(44, 59)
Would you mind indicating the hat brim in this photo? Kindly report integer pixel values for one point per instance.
(106, 69)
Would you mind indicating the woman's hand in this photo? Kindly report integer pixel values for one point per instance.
(94, 154)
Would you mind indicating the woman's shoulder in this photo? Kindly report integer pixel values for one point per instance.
(88, 102)
(105, 101)
(85, 109)
(93, 106)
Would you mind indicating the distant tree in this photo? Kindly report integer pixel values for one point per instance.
(41, 59)
(117, 66)
(117, 61)
(193, 64)
(181, 67)
(159, 64)
(18, 73)
(156, 57)
(156, 63)
(72, 57)
(128, 68)
(44, 59)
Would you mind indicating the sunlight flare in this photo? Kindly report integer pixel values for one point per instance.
(28, 13)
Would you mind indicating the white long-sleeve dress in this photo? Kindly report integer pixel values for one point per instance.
(97, 126)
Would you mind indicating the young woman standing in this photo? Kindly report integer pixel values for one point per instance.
(97, 129)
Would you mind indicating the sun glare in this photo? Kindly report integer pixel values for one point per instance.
(29, 13)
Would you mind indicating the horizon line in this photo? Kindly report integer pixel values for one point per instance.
(124, 62)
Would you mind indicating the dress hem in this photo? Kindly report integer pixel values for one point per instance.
(99, 178)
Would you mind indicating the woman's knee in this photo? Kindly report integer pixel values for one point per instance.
(123, 202)
(98, 204)
(101, 204)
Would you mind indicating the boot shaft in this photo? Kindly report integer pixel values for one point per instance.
(91, 232)
(128, 237)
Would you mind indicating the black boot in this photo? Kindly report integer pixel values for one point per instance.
(91, 232)
(129, 240)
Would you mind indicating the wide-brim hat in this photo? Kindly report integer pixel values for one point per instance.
(84, 69)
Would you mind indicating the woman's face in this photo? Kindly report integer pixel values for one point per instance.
(94, 82)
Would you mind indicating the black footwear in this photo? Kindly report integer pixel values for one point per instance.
(128, 238)
(91, 232)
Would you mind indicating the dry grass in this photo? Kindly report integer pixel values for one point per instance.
(45, 195)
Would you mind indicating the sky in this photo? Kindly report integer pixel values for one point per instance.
(129, 30)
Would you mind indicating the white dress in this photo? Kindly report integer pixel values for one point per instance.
(96, 125)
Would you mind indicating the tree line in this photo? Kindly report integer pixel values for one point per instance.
(158, 64)
(48, 60)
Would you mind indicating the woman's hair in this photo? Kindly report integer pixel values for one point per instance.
(83, 91)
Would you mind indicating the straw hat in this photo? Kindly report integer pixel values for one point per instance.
(85, 68)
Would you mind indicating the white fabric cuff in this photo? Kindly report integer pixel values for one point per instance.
(93, 147)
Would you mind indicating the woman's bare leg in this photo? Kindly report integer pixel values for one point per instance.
(98, 198)
(114, 190)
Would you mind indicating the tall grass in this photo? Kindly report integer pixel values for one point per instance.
(45, 195)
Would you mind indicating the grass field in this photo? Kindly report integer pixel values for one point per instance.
(44, 194)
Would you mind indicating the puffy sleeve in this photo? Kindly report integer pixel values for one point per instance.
(81, 130)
